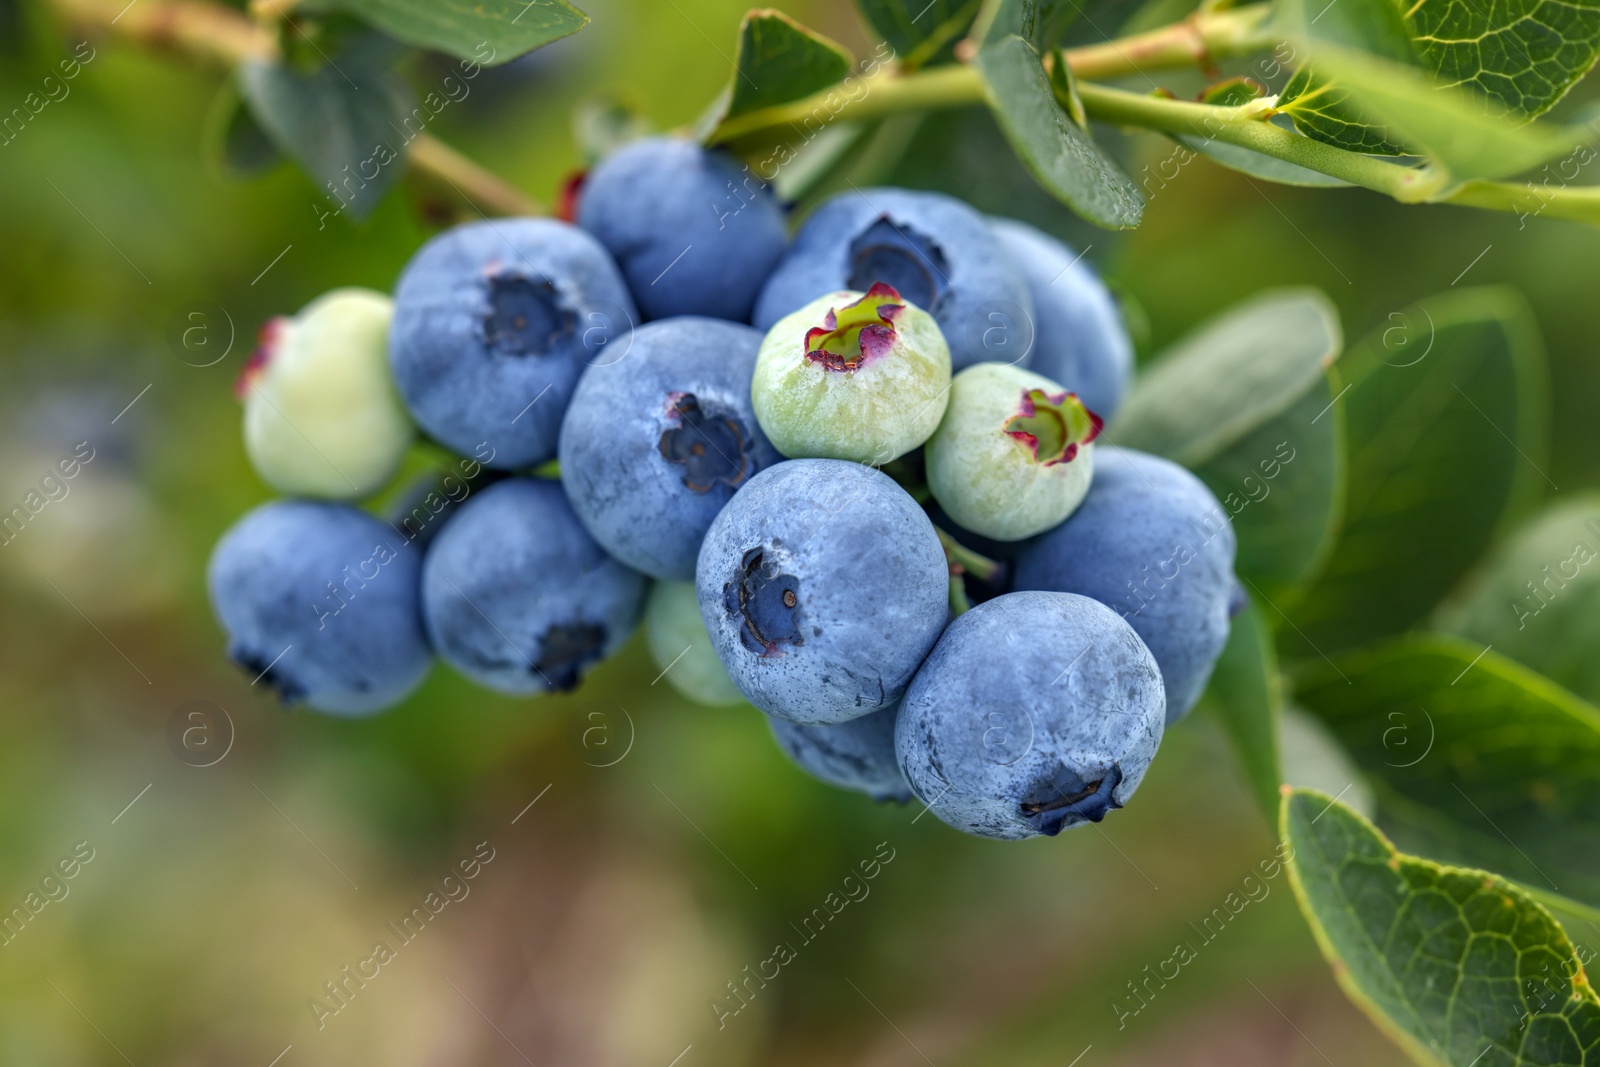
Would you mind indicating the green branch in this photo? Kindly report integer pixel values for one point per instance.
(1579, 203)
(1247, 127)
(222, 36)
(1196, 41)
(217, 34)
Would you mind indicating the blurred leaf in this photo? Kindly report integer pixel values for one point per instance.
(235, 141)
(1065, 86)
(1451, 964)
(1282, 484)
(1229, 376)
(603, 123)
(1232, 92)
(1061, 155)
(1464, 134)
(1444, 419)
(1320, 108)
(489, 32)
(1311, 756)
(921, 32)
(801, 170)
(779, 61)
(1246, 694)
(1257, 165)
(1474, 759)
(1245, 401)
(341, 121)
(1492, 65)
(1375, 27)
(1538, 599)
(1041, 23)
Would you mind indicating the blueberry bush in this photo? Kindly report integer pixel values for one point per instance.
(787, 387)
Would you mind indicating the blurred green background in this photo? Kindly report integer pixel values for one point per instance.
(670, 846)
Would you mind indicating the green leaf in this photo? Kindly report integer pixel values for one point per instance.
(1282, 484)
(1468, 136)
(921, 32)
(810, 165)
(1474, 758)
(1245, 693)
(235, 141)
(1231, 375)
(1375, 27)
(1457, 966)
(1494, 65)
(345, 122)
(1257, 165)
(1065, 85)
(1311, 756)
(1061, 156)
(1522, 54)
(1538, 600)
(1321, 110)
(487, 32)
(1232, 92)
(779, 61)
(1444, 418)
(602, 123)
(1041, 23)
(1246, 402)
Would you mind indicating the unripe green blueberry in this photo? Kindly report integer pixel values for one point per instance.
(682, 649)
(857, 376)
(322, 417)
(1012, 456)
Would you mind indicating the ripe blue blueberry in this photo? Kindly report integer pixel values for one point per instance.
(822, 585)
(935, 251)
(319, 602)
(493, 324)
(858, 754)
(654, 445)
(1150, 541)
(1079, 339)
(518, 597)
(1035, 712)
(693, 231)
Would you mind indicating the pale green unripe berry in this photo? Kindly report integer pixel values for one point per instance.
(855, 376)
(682, 649)
(1012, 456)
(322, 417)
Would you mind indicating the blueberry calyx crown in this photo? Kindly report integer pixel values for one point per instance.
(766, 603)
(268, 340)
(266, 670)
(856, 333)
(1069, 800)
(566, 650)
(899, 256)
(525, 317)
(707, 442)
(1052, 427)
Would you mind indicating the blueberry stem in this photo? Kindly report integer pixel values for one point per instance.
(965, 561)
(960, 603)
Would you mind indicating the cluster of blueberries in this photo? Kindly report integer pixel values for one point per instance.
(791, 458)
